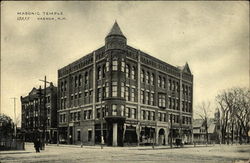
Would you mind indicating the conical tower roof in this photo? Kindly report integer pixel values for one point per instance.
(115, 30)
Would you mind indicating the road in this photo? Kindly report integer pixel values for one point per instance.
(73, 153)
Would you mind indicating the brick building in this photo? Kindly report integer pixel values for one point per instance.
(35, 117)
(124, 96)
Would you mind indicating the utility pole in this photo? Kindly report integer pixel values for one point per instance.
(44, 112)
(171, 132)
(14, 98)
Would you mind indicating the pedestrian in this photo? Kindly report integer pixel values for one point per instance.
(37, 145)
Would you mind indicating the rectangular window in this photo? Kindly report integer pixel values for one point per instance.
(152, 115)
(149, 115)
(152, 99)
(107, 66)
(152, 79)
(122, 65)
(107, 89)
(122, 110)
(114, 89)
(98, 113)
(99, 95)
(132, 94)
(127, 112)
(122, 89)
(127, 96)
(159, 81)
(114, 109)
(148, 98)
(133, 113)
(142, 97)
(114, 65)
(142, 76)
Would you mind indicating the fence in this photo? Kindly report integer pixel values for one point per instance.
(13, 144)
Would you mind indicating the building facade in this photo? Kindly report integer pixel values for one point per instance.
(120, 95)
(39, 118)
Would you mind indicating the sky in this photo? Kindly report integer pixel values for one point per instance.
(213, 37)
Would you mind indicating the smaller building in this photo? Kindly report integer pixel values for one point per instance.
(199, 131)
(39, 117)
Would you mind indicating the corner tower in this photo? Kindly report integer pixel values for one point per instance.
(115, 39)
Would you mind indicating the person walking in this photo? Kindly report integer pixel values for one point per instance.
(37, 145)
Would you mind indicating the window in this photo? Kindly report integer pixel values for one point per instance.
(127, 112)
(132, 94)
(149, 115)
(78, 116)
(152, 76)
(122, 89)
(142, 76)
(142, 97)
(98, 113)
(159, 81)
(122, 65)
(152, 99)
(114, 64)
(79, 94)
(65, 85)
(152, 115)
(163, 82)
(169, 84)
(107, 66)
(114, 89)
(127, 71)
(99, 94)
(127, 94)
(147, 98)
(89, 114)
(147, 78)
(62, 88)
(103, 71)
(99, 73)
(162, 100)
(143, 114)
(76, 81)
(86, 78)
(122, 110)
(114, 109)
(133, 113)
(80, 80)
(107, 89)
(133, 72)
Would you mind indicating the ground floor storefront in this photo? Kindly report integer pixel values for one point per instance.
(122, 133)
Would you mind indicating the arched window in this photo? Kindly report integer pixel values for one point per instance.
(103, 71)
(99, 73)
(152, 76)
(80, 80)
(159, 81)
(86, 78)
(62, 86)
(142, 76)
(147, 77)
(76, 81)
(127, 71)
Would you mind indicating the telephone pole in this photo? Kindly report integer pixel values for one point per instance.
(44, 113)
(14, 98)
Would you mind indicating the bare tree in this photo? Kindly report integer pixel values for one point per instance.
(203, 112)
(234, 106)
